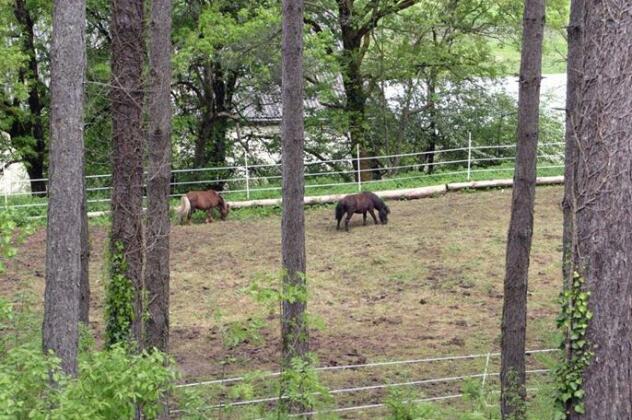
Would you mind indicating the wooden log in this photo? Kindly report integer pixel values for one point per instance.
(405, 194)
(495, 183)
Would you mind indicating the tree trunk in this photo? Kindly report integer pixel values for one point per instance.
(159, 174)
(574, 66)
(603, 197)
(216, 101)
(127, 148)
(514, 318)
(35, 158)
(356, 112)
(573, 79)
(63, 244)
(432, 111)
(294, 332)
(84, 284)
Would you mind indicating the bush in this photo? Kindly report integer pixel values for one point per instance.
(110, 384)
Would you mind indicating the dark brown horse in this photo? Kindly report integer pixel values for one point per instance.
(361, 203)
(202, 200)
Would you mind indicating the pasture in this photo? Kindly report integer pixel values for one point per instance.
(429, 283)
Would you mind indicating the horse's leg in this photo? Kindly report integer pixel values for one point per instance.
(209, 212)
(349, 214)
(338, 224)
(364, 219)
(372, 211)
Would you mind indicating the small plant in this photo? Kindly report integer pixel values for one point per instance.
(14, 227)
(573, 321)
(301, 385)
(402, 406)
(243, 331)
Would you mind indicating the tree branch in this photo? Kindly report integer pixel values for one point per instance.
(377, 15)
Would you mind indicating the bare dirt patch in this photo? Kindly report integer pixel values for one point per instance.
(428, 283)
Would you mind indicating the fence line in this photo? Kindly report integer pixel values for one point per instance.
(374, 387)
(368, 365)
(244, 184)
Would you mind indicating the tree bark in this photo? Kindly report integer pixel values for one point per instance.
(34, 127)
(602, 249)
(63, 245)
(159, 173)
(514, 317)
(432, 112)
(574, 70)
(294, 332)
(127, 145)
(84, 283)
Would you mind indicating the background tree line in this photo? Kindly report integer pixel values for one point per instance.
(389, 76)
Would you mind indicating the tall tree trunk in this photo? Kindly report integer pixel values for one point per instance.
(159, 174)
(34, 128)
(127, 148)
(84, 284)
(434, 137)
(574, 66)
(63, 245)
(603, 197)
(574, 70)
(216, 101)
(294, 332)
(514, 318)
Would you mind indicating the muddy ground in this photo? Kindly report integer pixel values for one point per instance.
(428, 283)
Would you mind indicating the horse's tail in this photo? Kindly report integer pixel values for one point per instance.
(184, 209)
(340, 210)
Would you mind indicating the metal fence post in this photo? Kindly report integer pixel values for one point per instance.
(247, 176)
(469, 154)
(359, 173)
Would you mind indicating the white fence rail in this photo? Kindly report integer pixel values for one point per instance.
(243, 182)
(454, 379)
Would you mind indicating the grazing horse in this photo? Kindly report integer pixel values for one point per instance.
(202, 200)
(361, 203)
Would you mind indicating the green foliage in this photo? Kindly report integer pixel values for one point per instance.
(573, 320)
(402, 406)
(265, 290)
(243, 331)
(302, 386)
(14, 227)
(110, 385)
(119, 300)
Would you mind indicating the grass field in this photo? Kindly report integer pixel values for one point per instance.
(429, 283)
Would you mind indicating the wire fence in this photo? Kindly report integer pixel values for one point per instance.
(246, 181)
(443, 387)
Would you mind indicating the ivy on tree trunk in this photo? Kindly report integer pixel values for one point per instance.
(126, 94)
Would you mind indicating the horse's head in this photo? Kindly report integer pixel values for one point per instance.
(223, 210)
(384, 211)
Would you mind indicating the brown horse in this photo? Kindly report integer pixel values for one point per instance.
(361, 203)
(202, 200)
